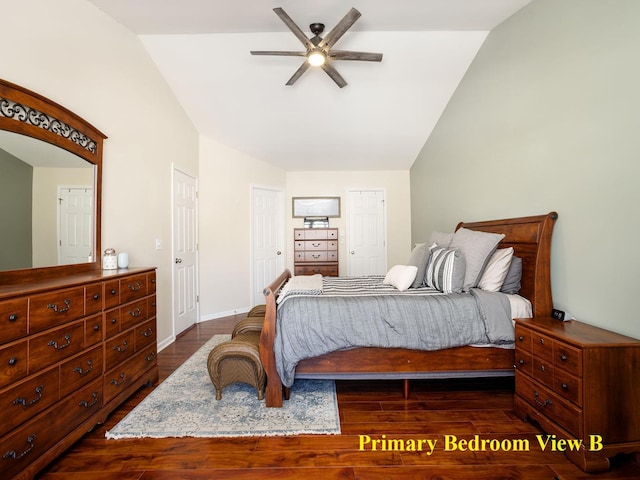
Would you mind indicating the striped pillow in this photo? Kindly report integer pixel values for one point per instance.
(445, 269)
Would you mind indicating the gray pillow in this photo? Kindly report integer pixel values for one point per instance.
(477, 248)
(445, 270)
(514, 275)
(441, 238)
(419, 257)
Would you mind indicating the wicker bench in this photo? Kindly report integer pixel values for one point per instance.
(238, 360)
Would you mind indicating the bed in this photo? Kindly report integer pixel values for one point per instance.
(530, 238)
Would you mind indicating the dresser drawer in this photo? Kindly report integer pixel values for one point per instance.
(315, 257)
(567, 358)
(119, 349)
(568, 386)
(80, 370)
(13, 363)
(550, 405)
(326, 270)
(145, 335)
(27, 399)
(118, 379)
(112, 322)
(93, 330)
(151, 306)
(523, 337)
(56, 345)
(542, 346)
(315, 245)
(133, 288)
(13, 319)
(543, 372)
(133, 313)
(332, 245)
(53, 309)
(523, 361)
(30, 441)
(315, 234)
(111, 293)
(93, 301)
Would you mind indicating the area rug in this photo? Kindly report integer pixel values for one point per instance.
(184, 405)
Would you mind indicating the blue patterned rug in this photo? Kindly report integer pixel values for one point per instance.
(184, 405)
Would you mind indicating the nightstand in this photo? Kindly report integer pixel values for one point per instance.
(580, 382)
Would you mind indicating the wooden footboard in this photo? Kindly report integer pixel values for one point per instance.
(531, 239)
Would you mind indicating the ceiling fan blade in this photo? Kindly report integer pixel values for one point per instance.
(282, 54)
(333, 73)
(303, 68)
(343, 25)
(293, 27)
(364, 56)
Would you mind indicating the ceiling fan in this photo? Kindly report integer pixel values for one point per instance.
(319, 51)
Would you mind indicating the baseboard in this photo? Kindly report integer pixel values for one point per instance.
(228, 313)
(166, 342)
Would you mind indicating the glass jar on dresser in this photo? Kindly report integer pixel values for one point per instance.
(73, 347)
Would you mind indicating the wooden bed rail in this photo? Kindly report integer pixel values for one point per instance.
(273, 391)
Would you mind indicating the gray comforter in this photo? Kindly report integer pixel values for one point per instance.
(362, 312)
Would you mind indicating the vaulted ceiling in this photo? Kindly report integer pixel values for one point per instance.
(379, 121)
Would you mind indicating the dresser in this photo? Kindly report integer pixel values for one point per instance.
(72, 348)
(579, 382)
(315, 250)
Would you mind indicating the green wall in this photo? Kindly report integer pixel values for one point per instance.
(16, 178)
(548, 118)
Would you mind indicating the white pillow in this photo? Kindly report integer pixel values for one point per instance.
(401, 276)
(496, 270)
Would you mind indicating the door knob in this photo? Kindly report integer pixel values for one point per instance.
(278, 252)
(353, 252)
(178, 260)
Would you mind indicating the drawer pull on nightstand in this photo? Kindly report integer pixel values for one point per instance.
(23, 401)
(564, 386)
(96, 296)
(13, 317)
(521, 338)
(521, 361)
(563, 357)
(542, 404)
(15, 456)
(13, 361)
(55, 345)
(122, 348)
(55, 308)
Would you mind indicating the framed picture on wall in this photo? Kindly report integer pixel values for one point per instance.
(316, 207)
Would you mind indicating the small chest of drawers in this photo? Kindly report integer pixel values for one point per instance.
(579, 382)
(315, 250)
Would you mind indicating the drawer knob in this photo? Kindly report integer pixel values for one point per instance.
(542, 368)
(521, 338)
(565, 386)
(96, 328)
(13, 361)
(13, 317)
(542, 341)
(15, 456)
(563, 357)
(96, 296)
(113, 291)
(521, 361)
(114, 320)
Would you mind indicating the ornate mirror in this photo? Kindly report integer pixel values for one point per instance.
(50, 183)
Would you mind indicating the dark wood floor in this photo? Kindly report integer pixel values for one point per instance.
(376, 409)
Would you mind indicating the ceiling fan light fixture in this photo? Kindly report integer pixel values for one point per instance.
(316, 58)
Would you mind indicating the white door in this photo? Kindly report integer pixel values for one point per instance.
(76, 224)
(367, 233)
(185, 251)
(268, 234)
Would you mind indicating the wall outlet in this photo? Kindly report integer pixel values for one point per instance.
(158, 244)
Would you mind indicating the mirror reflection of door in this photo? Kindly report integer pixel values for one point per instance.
(75, 232)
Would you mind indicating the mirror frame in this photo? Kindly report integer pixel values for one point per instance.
(28, 113)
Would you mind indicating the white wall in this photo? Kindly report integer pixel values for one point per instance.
(72, 53)
(336, 184)
(547, 118)
(225, 225)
